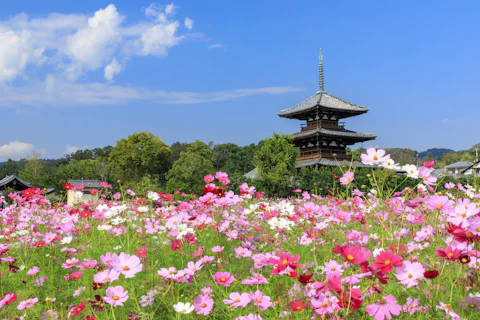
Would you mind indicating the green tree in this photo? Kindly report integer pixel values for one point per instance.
(188, 171)
(34, 171)
(140, 154)
(12, 167)
(177, 148)
(275, 160)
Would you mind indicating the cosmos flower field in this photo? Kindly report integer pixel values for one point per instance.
(238, 254)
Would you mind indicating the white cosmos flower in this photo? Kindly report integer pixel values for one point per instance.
(142, 209)
(412, 171)
(184, 308)
(66, 240)
(78, 194)
(390, 164)
(153, 196)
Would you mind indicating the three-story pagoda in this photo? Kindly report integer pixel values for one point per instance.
(323, 138)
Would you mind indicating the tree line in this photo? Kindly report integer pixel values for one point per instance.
(142, 162)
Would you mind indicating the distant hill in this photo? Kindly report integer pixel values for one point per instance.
(436, 152)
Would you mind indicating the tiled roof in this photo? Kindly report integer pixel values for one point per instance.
(459, 165)
(326, 100)
(86, 183)
(9, 179)
(335, 133)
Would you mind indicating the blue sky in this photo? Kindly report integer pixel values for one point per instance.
(77, 74)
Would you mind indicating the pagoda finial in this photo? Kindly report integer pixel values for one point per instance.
(320, 71)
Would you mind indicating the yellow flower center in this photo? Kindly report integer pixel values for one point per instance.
(223, 279)
(387, 262)
(375, 157)
(115, 298)
(410, 276)
(126, 268)
(350, 257)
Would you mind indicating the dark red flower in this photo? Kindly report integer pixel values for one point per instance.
(305, 278)
(430, 274)
(464, 259)
(98, 303)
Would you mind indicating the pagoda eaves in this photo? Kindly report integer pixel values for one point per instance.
(323, 138)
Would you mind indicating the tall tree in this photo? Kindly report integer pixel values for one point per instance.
(140, 154)
(34, 171)
(275, 161)
(188, 171)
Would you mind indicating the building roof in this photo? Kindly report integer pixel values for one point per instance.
(13, 177)
(325, 100)
(252, 174)
(86, 183)
(437, 172)
(335, 133)
(459, 165)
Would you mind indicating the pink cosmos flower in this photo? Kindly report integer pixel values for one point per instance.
(223, 278)
(203, 304)
(243, 252)
(386, 260)
(126, 264)
(217, 249)
(33, 271)
(27, 303)
(374, 156)
(193, 267)
(116, 296)
(107, 259)
(425, 174)
(448, 310)
(355, 254)
(208, 178)
(105, 276)
(7, 299)
(75, 275)
(347, 178)
(70, 263)
(384, 308)
(261, 301)
(411, 306)
(409, 273)
(167, 273)
(88, 264)
(237, 300)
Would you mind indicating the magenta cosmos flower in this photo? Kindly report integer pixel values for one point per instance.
(384, 308)
(374, 156)
(224, 278)
(203, 304)
(116, 296)
(409, 273)
(347, 178)
(126, 264)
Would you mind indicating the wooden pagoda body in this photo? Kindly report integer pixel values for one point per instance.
(323, 135)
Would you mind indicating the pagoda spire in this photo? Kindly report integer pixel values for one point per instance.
(320, 72)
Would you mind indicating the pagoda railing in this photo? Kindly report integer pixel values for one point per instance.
(327, 124)
(327, 154)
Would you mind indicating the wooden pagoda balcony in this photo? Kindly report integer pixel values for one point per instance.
(326, 154)
(327, 124)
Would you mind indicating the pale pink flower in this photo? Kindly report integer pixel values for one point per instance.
(374, 156)
(126, 264)
(33, 271)
(409, 273)
(105, 276)
(347, 178)
(223, 278)
(27, 303)
(116, 296)
(384, 308)
(238, 300)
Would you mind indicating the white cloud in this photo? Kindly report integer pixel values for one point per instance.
(112, 69)
(15, 150)
(188, 23)
(216, 46)
(71, 149)
(74, 44)
(59, 93)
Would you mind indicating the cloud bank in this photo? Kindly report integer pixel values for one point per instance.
(74, 44)
(15, 150)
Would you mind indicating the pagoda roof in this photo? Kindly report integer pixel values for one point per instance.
(335, 133)
(14, 177)
(323, 100)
